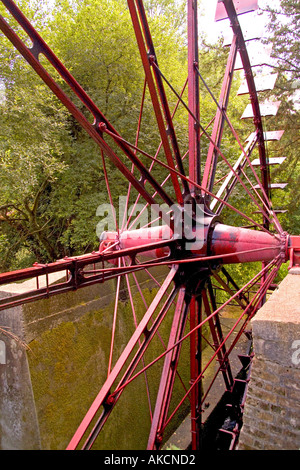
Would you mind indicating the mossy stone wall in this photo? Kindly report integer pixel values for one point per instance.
(69, 340)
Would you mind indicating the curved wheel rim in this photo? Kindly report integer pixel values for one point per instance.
(188, 287)
(197, 300)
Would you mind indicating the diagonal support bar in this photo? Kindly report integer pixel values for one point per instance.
(147, 52)
(216, 332)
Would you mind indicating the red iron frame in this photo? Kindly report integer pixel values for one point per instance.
(190, 272)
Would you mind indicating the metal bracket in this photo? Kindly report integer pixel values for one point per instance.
(294, 251)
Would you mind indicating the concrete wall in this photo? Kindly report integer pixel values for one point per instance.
(272, 410)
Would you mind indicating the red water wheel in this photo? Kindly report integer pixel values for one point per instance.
(180, 350)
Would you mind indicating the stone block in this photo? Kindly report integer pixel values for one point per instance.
(272, 412)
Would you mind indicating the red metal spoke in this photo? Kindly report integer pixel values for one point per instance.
(221, 257)
(168, 374)
(211, 161)
(150, 169)
(238, 166)
(214, 145)
(266, 203)
(109, 191)
(77, 278)
(276, 261)
(195, 368)
(209, 193)
(114, 322)
(136, 143)
(144, 301)
(246, 189)
(216, 333)
(274, 219)
(102, 397)
(270, 278)
(252, 310)
(152, 60)
(241, 300)
(193, 96)
(108, 400)
(139, 342)
(75, 266)
(162, 184)
(136, 19)
(235, 173)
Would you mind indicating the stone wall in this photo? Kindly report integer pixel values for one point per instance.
(19, 428)
(272, 410)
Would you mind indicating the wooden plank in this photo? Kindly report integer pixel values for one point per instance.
(267, 108)
(271, 161)
(268, 136)
(258, 53)
(262, 83)
(241, 6)
(274, 186)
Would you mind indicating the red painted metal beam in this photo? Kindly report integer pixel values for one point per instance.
(156, 247)
(193, 96)
(147, 53)
(161, 91)
(227, 239)
(76, 277)
(218, 340)
(164, 393)
(195, 370)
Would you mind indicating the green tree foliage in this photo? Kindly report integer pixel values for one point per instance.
(284, 36)
(52, 178)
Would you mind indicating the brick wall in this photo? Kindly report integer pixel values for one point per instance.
(272, 408)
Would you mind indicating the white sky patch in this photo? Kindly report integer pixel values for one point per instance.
(214, 30)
